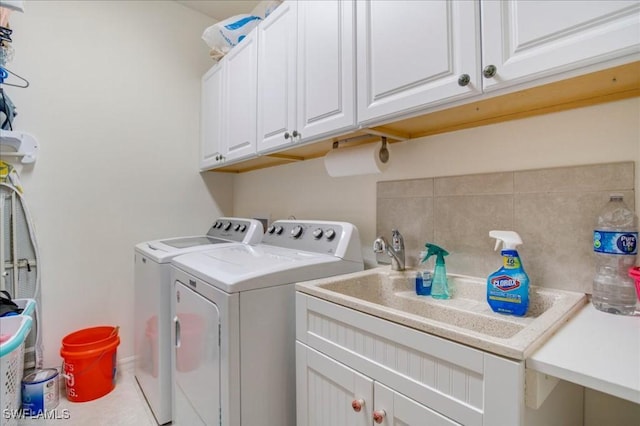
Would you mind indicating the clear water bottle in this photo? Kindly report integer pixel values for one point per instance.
(615, 246)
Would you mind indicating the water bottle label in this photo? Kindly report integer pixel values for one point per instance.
(615, 242)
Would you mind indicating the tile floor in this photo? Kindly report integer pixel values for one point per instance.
(123, 406)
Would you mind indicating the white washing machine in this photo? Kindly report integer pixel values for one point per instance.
(153, 303)
(234, 315)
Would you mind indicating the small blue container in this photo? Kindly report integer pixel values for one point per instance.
(40, 391)
(423, 283)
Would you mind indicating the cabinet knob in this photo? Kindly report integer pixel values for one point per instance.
(295, 134)
(378, 416)
(357, 404)
(287, 135)
(489, 71)
(463, 80)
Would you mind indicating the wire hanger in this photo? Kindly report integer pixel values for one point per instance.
(4, 74)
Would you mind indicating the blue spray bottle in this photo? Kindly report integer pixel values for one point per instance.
(508, 287)
(439, 287)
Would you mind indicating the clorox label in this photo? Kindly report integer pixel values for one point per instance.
(505, 283)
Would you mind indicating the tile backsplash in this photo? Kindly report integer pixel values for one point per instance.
(554, 211)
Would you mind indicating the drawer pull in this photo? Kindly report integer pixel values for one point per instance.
(378, 416)
(357, 405)
(489, 71)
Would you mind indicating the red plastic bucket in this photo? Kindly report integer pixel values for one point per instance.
(90, 362)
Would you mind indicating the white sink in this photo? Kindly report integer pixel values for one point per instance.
(465, 318)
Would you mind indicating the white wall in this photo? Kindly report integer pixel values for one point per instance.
(598, 134)
(114, 103)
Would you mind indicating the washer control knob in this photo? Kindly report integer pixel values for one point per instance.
(237, 227)
(243, 228)
(330, 234)
(296, 232)
(317, 234)
(227, 226)
(279, 229)
(216, 224)
(271, 229)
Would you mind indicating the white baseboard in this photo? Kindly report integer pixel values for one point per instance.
(127, 364)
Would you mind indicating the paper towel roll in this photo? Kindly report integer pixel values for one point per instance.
(356, 160)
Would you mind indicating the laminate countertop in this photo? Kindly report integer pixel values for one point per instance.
(597, 350)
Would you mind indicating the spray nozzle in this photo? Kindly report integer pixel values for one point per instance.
(432, 250)
(509, 239)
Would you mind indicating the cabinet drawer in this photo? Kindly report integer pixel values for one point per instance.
(443, 375)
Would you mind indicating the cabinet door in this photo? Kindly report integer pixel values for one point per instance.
(211, 117)
(527, 40)
(397, 409)
(277, 77)
(411, 55)
(327, 389)
(326, 67)
(239, 125)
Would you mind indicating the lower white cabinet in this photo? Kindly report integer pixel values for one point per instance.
(356, 369)
(331, 393)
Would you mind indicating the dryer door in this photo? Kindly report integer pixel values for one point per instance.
(197, 358)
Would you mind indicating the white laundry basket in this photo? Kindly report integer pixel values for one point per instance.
(12, 365)
(29, 307)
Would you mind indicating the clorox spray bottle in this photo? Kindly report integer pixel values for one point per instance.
(508, 287)
(439, 287)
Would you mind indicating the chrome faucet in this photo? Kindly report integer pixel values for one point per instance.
(395, 250)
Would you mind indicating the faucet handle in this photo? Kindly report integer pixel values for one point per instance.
(380, 245)
(397, 242)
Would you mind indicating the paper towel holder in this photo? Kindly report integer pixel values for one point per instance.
(383, 154)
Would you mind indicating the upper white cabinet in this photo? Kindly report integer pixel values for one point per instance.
(239, 100)
(298, 76)
(228, 107)
(306, 72)
(413, 54)
(277, 77)
(527, 40)
(326, 95)
(211, 117)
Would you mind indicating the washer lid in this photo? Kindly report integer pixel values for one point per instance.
(191, 241)
(226, 230)
(162, 252)
(244, 267)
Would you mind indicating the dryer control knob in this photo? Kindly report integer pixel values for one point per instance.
(317, 234)
(296, 232)
(271, 229)
(237, 227)
(227, 226)
(243, 228)
(279, 229)
(330, 234)
(217, 225)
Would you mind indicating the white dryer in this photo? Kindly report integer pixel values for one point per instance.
(152, 318)
(234, 315)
